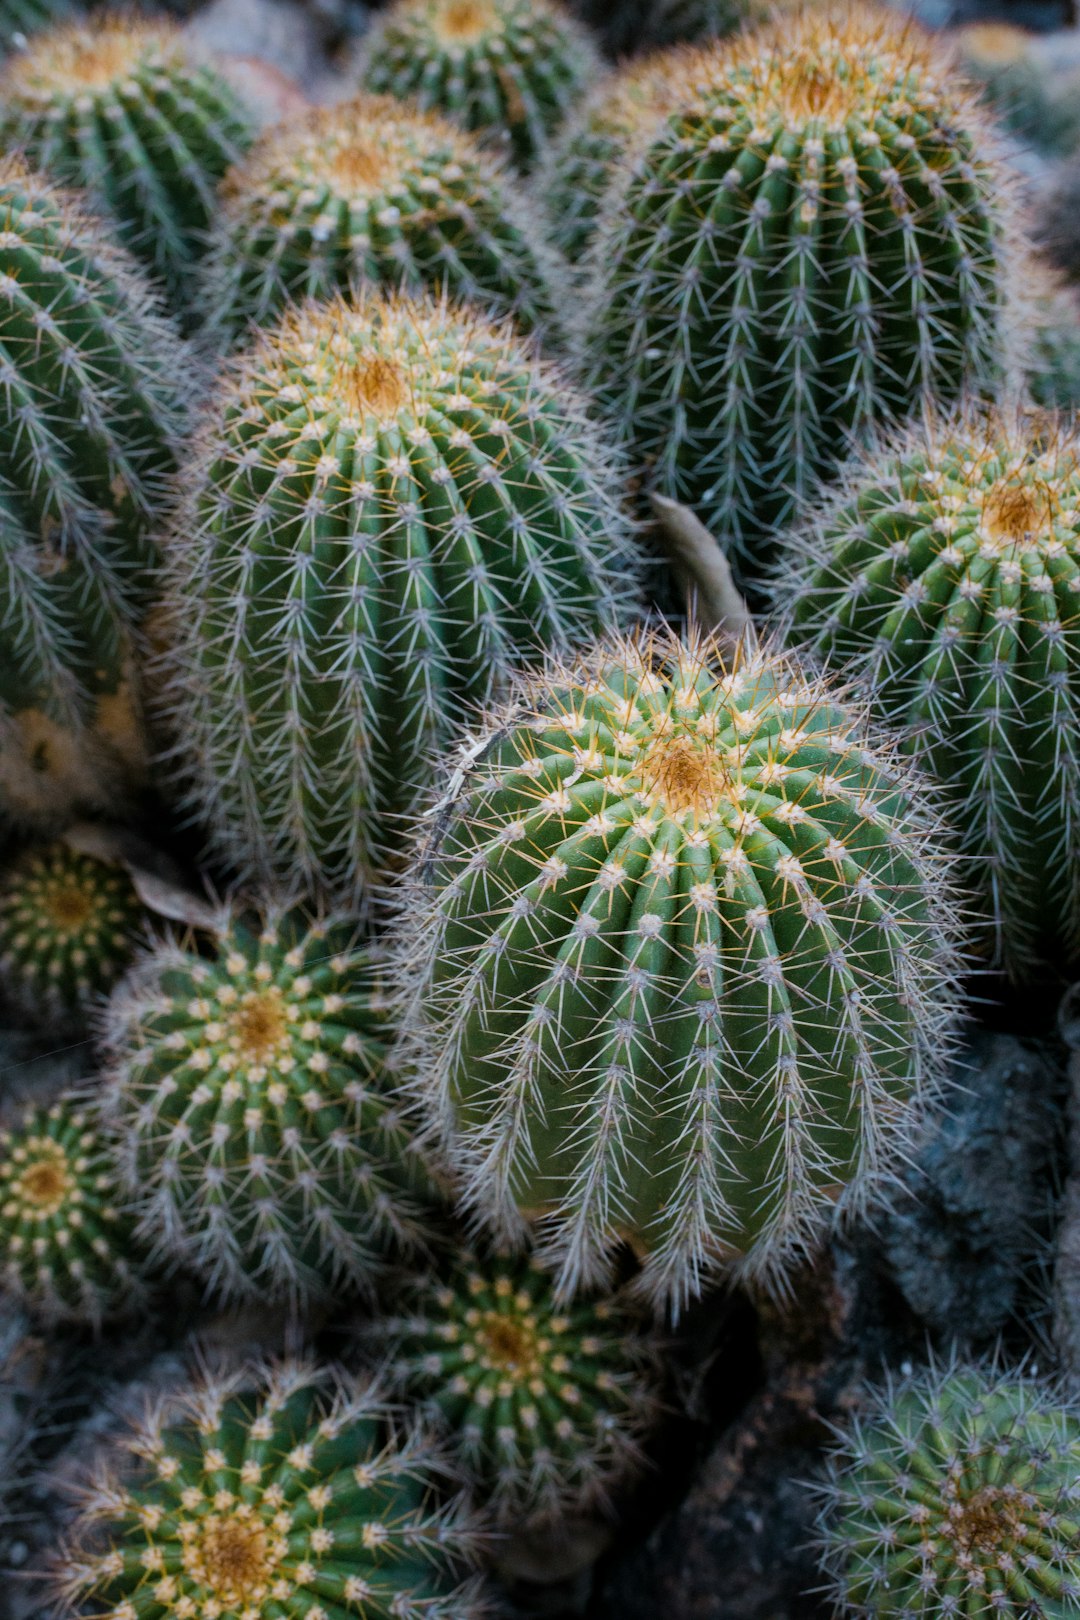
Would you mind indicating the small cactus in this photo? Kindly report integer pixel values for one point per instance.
(374, 192)
(944, 574)
(680, 961)
(395, 503)
(65, 1242)
(254, 1105)
(511, 69)
(956, 1494)
(70, 924)
(281, 1493)
(119, 107)
(815, 241)
(545, 1406)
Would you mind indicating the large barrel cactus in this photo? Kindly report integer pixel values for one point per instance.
(681, 962)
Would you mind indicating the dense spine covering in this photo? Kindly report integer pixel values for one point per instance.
(510, 69)
(70, 924)
(66, 1245)
(396, 503)
(545, 1406)
(373, 192)
(944, 574)
(814, 241)
(91, 412)
(259, 1128)
(956, 1493)
(288, 1494)
(681, 963)
(118, 107)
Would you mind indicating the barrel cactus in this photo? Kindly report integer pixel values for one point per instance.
(279, 1493)
(119, 106)
(545, 1406)
(680, 963)
(396, 502)
(259, 1131)
(371, 191)
(945, 574)
(816, 240)
(956, 1493)
(511, 69)
(91, 412)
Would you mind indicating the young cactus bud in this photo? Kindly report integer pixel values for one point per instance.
(373, 192)
(117, 106)
(944, 574)
(681, 962)
(396, 503)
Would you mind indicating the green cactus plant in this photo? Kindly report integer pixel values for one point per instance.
(284, 1492)
(945, 573)
(20, 20)
(816, 240)
(955, 1493)
(91, 413)
(254, 1103)
(396, 502)
(545, 1406)
(66, 1244)
(680, 963)
(511, 69)
(121, 108)
(373, 192)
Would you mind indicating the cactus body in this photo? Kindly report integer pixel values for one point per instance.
(680, 964)
(814, 241)
(511, 69)
(544, 1406)
(255, 1111)
(117, 107)
(373, 192)
(65, 1245)
(955, 1494)
(91, 410)
(396, 503)
(946, 573)
(293, 1498)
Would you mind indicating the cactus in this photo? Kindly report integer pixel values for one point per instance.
(681, 962)
(21, 19)
(464, 513)
(1000, 59)
(91, 412)
(255, 1110)
(69, 926)
(373, 192)
(956, 1493)
(511, 69)
(945, 573)
(65, 1245)
(283, 1493)
(117, 106)
(815, 241)
(545, 1407)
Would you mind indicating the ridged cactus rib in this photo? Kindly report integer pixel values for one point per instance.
(373, 192)
(66, 1242)
(955, 1494)
(509, 69)
(290, 1493)
(120, 108)
(256, 1109)
(815, 241)
(70, 925)
(945, 575)
(92, 390)
(396, 503)
(681, 963)
(545, 1406)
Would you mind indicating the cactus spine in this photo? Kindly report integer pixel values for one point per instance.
(680, 963)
